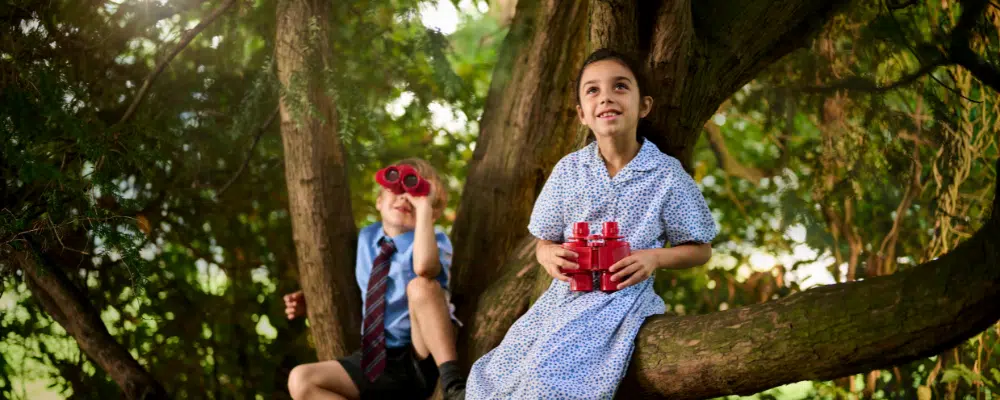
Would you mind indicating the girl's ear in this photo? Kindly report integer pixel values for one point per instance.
(647, 106)
(579, 113)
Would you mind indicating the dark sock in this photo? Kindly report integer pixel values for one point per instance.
(451, 375)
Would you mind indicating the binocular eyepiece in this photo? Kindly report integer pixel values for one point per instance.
(402, 178)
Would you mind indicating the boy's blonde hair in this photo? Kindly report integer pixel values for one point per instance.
(427, 171)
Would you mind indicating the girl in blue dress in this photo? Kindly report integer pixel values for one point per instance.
(577, 345)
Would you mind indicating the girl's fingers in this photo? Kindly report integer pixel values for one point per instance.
(622, 263)
(567, 264)
(625, 272)
(554, 272)
(565, 253)
(632, 280)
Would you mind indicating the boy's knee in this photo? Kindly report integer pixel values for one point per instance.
(298, 382)
(422, 289)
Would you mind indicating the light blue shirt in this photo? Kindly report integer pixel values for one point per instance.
(397, 311)
(653, 200)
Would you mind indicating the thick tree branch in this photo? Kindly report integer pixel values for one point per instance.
(529, 123)
(614, 24)
(727, 161)
(186, 38)
(703, 51)
(826, 332)
(71, 309)
(859, 84)
(319, 201)
(960, 50)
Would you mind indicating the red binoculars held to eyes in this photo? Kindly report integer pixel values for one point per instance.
(402, 178)
(596, 253)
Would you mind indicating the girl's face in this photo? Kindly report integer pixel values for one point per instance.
(609, 99)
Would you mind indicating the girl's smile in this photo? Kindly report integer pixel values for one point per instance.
(610, 100)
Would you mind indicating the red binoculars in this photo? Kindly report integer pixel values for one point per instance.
(402, 178)
(596, 253)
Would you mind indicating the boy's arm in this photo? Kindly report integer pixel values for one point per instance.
(426, 262)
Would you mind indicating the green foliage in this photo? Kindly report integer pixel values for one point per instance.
(186, 276)
(839, 156)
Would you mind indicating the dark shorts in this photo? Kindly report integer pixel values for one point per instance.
(404, 377)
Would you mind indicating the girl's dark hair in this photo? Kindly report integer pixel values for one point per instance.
(645, 128)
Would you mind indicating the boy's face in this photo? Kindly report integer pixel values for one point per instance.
(397, 212)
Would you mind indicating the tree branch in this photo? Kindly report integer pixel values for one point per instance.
(186, 38)
(859, 84)
(706, 54)
(727, 161)
(246, 160)
(71, 309)
(826, 332)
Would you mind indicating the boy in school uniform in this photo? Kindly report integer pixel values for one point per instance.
(408, 332)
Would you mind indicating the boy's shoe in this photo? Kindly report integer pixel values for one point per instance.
(455, 392)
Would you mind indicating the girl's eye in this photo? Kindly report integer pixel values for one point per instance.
(621, 85)
(591, 90)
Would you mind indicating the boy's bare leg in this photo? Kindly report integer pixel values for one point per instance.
(321, 380)
(431, 328)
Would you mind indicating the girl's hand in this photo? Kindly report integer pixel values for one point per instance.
(554, 256)
(295, 305)
(636, 267)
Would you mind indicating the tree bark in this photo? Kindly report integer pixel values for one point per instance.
(703, 51)
(504, 301)
(318, 194)
(527, 126)
(70, 308)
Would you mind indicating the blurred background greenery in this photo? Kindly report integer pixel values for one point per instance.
(818, 171)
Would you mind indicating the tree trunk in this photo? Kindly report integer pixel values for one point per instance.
(71, 309)
(315, 171)
(527, 126)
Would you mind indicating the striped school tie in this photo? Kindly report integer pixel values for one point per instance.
(373, 337)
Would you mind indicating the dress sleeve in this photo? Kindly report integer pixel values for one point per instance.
(547, 220)
(685, 213)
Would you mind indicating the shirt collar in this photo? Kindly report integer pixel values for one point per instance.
(402, 241)
(644, 160)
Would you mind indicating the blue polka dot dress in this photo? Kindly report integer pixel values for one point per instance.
(577, 345)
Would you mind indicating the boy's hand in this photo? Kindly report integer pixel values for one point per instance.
(421, 204)
(636, 267)
(553, 256)
(295, 305)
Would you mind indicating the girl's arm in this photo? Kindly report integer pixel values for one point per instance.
(641, 263)
(682, 256)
